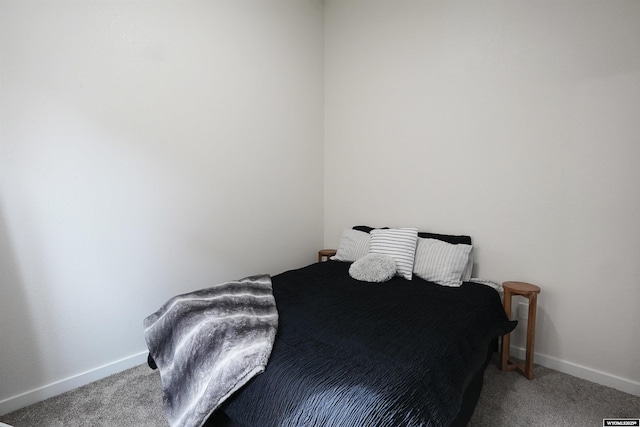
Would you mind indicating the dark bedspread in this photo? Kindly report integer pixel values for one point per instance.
(351, 353)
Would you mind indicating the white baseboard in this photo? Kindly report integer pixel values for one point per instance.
(75, 381)
(573, 369)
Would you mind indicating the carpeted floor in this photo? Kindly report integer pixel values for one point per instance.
(133, 398)
(550, 399)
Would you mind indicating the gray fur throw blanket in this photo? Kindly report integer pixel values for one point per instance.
(209, 343)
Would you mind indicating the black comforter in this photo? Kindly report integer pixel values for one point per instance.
(351, 353)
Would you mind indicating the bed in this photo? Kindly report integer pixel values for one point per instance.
(396, 352)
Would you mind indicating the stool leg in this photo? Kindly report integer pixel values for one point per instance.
(506, 338)
(531, 335)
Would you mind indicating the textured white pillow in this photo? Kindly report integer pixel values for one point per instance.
(466, 275)
(399, 243)
(353, 244)
(441, 262)
(373, 268)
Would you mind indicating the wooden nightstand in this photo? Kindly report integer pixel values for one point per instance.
(530, 292)
(325, 253)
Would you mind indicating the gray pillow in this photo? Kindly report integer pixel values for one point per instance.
(373, 268)
(353, 244)
(441, 262)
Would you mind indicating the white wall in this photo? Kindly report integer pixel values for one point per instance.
(516, 122)
(147, 149)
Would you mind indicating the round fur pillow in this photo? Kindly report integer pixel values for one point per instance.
(373, 268)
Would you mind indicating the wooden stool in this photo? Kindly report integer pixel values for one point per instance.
(530, 292)
(325, 253)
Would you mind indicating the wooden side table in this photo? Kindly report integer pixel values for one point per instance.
(325, 253)
(530, 292)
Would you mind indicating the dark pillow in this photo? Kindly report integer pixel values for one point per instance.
(454, 240)
(367, 229)
(449, 238)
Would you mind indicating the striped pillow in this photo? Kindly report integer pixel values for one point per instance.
(353, 245)
(399, 243)
(441, 262)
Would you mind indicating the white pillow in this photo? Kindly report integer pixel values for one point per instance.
(466, 274)
(353, 245)
(399, 243)
(441, 262)
(373, 268)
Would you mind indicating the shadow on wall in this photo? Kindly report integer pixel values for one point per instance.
(18, 339)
